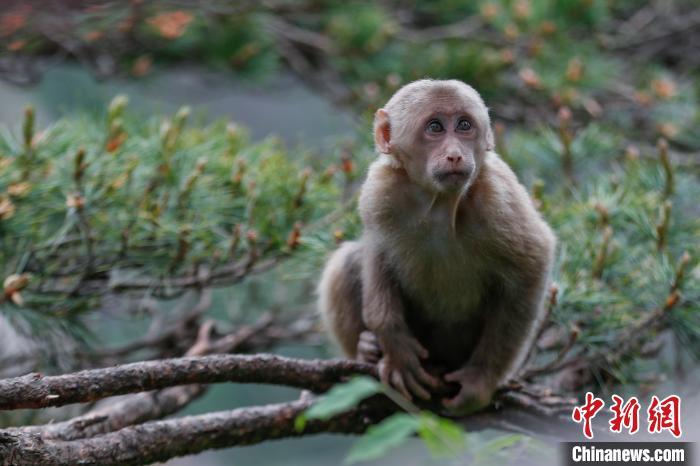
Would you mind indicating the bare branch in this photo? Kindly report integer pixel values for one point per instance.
(151, 405)
(131, 410)
(177, 328)
(563, 352)
(161, 440)
(299, 35)
(37, 391)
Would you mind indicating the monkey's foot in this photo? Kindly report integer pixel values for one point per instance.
(475, 391)
(368, 349)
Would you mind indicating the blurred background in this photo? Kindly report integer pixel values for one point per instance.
(242, 132)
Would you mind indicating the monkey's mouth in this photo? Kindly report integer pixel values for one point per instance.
(452, 176)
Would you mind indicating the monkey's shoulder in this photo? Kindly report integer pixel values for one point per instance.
(383, 190)
(509, 211)
(498, 184)
(500, 191)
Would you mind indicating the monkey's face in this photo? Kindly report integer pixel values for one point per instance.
(447, 142)
(439, 132)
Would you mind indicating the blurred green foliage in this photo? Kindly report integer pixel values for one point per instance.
(87, 205)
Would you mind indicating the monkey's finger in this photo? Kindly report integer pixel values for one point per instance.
(420, 350)
(369, 351)
(416, 388)
(425, 378)
(368, 346)
(369, 358)
(384, 372)
(369, 337)
(398, 383)
(456, 376)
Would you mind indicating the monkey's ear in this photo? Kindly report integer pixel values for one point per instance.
(490, 142)
(382, 131)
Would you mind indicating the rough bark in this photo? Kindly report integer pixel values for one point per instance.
(96, 439)
(37, 391)
(160, 440)
(129, 411)
(142, 407)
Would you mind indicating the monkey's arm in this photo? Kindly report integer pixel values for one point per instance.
(504, 336)
(384, 315)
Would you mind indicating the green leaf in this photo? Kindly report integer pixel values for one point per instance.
(443, 437)
(300, 422)
(343, 397)
(381, 438)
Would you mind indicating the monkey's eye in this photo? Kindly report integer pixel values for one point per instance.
(464, 125)
(434, 126)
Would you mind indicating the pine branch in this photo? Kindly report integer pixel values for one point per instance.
(224, 275)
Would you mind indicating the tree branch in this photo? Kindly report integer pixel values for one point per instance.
(175, 329)
(114, 436)
(37, 391)
(161, 440)
(131, 410)
(148, 406)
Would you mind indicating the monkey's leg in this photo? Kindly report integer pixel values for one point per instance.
(340, 301)
(383, 313)
(505, 338)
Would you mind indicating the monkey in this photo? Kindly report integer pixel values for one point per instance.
(446, 283)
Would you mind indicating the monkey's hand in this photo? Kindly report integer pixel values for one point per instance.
(475, 390)
(401, 368)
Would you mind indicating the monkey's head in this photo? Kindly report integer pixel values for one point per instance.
(438, 131)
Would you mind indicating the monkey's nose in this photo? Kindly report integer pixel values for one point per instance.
(454, 158)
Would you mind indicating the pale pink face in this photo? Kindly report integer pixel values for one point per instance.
(447, 141)
(439, 133)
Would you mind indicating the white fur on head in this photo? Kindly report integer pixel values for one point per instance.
(399, 110)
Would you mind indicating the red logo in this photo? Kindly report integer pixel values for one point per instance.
(626, 415)
(665, 415)
(587, 412)
(661, 414)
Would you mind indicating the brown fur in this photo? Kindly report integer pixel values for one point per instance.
(450, 271)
